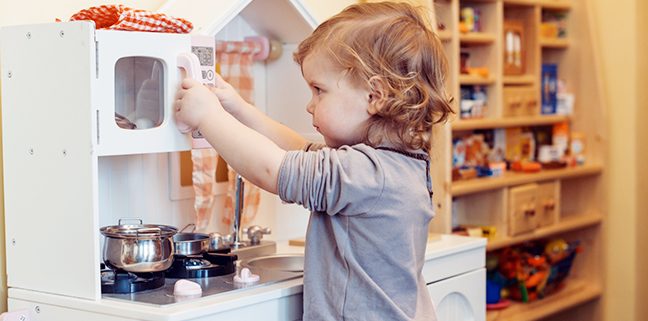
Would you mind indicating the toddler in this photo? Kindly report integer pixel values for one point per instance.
(376, 72)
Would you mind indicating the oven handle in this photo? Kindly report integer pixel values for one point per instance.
(190, 63)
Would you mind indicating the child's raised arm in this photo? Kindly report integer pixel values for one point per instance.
(250, 153)
(252, 117)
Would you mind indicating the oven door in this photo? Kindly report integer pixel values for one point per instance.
(137, 79)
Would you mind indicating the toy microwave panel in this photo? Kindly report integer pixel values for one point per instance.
(204, 47)
(138, 75)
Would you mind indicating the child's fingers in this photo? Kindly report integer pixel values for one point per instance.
(188, 83)
(220, 82)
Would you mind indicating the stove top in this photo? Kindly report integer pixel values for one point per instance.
(202, 265)
(118, 281)
(216, 285)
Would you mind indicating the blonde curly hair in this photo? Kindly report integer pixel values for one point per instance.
(389, 47)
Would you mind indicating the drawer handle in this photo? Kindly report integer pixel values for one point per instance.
(550, 205)
(530, 212)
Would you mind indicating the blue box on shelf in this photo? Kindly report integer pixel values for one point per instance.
(549, 88)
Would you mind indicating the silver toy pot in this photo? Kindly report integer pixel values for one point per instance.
(138, 248)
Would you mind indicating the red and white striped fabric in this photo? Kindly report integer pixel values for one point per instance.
(235, 59)
(120, 17)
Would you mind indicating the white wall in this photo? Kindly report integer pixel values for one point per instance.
(620, 35)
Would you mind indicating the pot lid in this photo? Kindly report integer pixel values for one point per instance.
(139, 231)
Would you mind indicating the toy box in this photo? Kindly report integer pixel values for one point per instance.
(530, 271)
(549, 88)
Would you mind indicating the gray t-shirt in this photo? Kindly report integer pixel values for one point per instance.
(367, 233)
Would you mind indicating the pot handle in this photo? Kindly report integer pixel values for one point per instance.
(190, 225)
(119, 222)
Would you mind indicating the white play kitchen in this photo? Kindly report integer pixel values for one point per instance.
(92, 213)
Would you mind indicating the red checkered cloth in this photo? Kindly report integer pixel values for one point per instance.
(236, 59)
(120, 17)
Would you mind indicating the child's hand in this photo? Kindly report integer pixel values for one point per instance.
(194, 103)
(228, 96)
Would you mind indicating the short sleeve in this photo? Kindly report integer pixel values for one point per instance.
(346, 181)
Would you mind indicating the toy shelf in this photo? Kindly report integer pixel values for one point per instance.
(477, 38)
(566, 224)
(521, 2)
(549, 4)
(476, 80)
(555, 4)
(477, 185)
(554, 43)
(519, 80)
(575, 292)
(486, 123)
(579, 192)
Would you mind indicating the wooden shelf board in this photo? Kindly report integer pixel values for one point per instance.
(476, 80)
(521, 2)
(519, 80)
(570, 223)
(556, 43)
(509, 178)
(444, 35)
(484, 123)
(476, 38)
(575, 292)
(555, 4)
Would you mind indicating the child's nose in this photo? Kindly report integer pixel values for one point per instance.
(310, 108)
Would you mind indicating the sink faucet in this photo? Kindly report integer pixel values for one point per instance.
(238, 208)
(255, 233)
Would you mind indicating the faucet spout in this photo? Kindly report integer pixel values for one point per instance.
(238, 208)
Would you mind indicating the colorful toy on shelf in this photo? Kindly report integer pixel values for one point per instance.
(487, 231)
(470, 20)
(577, 147)
(534, 270)
(554, 24)
(520, 144)
(549, 88)
(526, 166)
(466, 69)
(474, 102)
(514, 48)
(479, 153)
(565, 100)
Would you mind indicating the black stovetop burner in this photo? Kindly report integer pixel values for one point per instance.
(203, 265)
(120, 281)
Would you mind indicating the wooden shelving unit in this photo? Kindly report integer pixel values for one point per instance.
(580, 189)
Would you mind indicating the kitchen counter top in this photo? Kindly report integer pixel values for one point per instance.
(445, 254)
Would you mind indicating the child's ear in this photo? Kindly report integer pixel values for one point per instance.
(377, 95)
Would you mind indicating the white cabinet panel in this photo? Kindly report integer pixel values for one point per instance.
(460, 298)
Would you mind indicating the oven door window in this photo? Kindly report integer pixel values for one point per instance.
(139, 94)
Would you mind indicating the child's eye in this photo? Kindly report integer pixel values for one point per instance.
(317, 90)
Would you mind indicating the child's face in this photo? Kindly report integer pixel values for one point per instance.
(339, 108)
